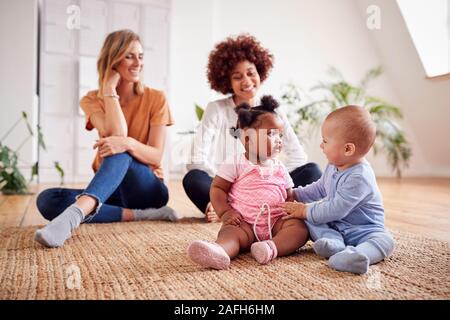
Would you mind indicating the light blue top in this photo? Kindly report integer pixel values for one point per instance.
(348, 198)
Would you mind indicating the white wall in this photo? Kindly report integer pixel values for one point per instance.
(191, 41)
(425, 102)
(306, 37)
(18, 72)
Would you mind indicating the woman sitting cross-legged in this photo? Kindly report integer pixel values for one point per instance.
(131, 122)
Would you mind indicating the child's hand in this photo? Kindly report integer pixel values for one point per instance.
(295, 210)
(290, 195)
(231, 217)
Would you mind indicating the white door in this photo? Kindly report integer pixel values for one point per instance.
(68, 71)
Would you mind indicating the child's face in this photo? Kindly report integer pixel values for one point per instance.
(245, 80)
(265, 141)
(333, 144)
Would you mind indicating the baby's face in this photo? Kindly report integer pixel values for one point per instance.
(333, 143)
(265, 141)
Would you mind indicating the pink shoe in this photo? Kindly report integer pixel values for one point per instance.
(208, 254)
(264, 251)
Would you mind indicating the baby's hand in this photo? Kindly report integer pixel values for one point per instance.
(231, 217)
(295, 210)
(290, 195)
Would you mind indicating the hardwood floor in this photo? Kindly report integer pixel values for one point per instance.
(420, 206)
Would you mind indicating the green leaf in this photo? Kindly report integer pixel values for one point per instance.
(34, 170)
(321, 86)
(14, 182)
(25, 118)
(381, 108)
(60, 171)
(291, 95)
(335, 73)
(370, 75)
(390, 140)
(41, 141)
(5, 156)
(199, 112)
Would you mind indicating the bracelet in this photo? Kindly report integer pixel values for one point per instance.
(112, 95)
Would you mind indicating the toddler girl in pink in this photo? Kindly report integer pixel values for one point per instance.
(246, 193)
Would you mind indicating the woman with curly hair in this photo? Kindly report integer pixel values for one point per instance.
(237, 67)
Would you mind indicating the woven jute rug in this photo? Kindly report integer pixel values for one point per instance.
(147, 260)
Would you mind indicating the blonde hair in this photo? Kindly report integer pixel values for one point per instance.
(355, 126)
(113, 51)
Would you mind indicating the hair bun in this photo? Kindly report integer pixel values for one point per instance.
(269, 103)
(242, 106)
(244, 113)
(245, 117)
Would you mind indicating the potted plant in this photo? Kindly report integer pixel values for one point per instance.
(337, 93)
(12, 180)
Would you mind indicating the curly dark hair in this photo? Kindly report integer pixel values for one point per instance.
(228, 53)
(248, 116)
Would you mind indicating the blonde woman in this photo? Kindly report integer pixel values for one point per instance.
(131, 122)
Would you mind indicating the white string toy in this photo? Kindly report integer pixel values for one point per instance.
(264, 207)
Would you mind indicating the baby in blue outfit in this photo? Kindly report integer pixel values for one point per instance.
(344, 208)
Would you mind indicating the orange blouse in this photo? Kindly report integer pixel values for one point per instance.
(142, 112)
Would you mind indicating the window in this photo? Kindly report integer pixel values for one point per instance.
(429, 26)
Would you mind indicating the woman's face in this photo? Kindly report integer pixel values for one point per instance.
(131, 66)
(245, 80)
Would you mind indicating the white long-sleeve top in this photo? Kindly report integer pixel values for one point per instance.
(213, 142)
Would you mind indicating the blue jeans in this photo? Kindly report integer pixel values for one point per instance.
(121, 182)
(196, 183)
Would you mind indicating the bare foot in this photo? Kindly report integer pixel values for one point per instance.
(210, 214)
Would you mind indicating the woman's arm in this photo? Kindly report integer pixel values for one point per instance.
(115, 123)
(112, 122)
(150, 153)
(202, 143)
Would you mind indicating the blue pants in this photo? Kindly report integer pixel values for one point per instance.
(196, 183)
(120, 182)
(375, 242)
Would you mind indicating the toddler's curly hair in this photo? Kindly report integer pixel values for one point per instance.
(248, 116)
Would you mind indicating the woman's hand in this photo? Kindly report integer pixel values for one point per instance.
(231, 217)
(295, 210)
(110, 84)
(112, 145)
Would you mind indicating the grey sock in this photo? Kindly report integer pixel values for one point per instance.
(325, 247)
(57, 231)
(350, 260)
(163, 213)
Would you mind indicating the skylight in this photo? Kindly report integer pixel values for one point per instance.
(429, 26)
